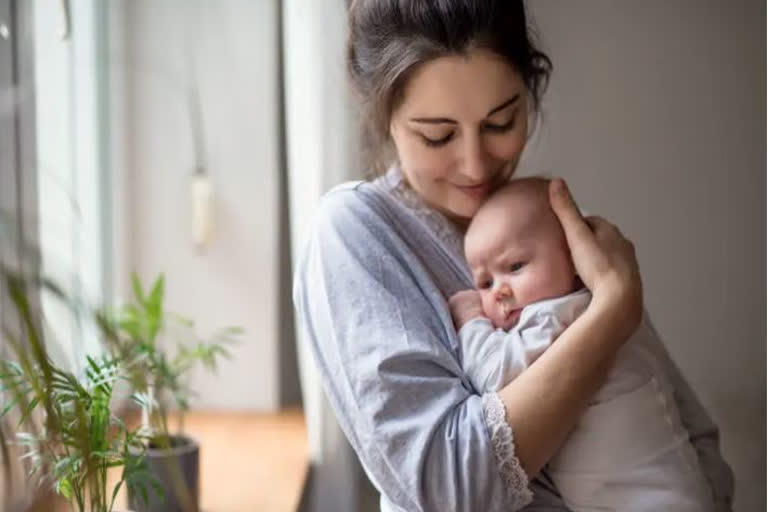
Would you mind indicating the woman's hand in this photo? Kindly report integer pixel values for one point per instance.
(465, 305)
(604, 259)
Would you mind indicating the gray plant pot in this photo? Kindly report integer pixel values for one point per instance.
(177, 469)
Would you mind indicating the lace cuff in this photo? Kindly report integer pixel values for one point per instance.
(503, 442)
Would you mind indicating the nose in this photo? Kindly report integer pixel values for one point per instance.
(475, 166)
(502, 291)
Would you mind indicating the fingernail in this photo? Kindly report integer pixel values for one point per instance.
(559, 186)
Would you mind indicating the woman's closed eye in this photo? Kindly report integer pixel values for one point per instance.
(490, 127)
(433, 143)
(501, 128)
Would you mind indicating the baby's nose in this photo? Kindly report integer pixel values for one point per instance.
(503, 291)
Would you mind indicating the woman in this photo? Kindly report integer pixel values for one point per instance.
(448, 89)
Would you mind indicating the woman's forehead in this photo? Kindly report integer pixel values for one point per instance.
(460, 87)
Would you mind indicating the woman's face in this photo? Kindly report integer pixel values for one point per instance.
(459, 130)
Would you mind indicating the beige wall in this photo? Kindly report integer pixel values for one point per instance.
(656, 116)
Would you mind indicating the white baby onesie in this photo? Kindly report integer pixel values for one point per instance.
(629, 451)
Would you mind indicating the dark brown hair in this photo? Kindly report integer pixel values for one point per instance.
(388, 39)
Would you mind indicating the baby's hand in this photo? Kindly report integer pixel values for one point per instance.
(465, 305)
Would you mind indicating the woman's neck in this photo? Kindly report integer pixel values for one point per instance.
(460, 223)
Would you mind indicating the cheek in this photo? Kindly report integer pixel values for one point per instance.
(510, 145)
(507, 147)
(546, 282)
(487, 301)
(537, 284)
(423, 163)
(528, 286)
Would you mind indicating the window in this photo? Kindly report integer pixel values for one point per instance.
(53, 172)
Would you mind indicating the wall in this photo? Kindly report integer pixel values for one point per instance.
(229, 49)
(656, 116)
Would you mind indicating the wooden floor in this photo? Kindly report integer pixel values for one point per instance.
(249, 461)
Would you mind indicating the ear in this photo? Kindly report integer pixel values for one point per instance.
(392, 128)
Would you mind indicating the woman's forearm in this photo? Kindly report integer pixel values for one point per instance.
(544, 402)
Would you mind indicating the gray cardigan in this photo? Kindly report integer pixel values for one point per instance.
(371, 295)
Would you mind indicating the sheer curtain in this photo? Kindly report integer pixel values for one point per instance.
(321, 147)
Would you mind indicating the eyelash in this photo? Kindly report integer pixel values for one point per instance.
(437, 143)
(501, 128)
(489, 282)
(493, 128)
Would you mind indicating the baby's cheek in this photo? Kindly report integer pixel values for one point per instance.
(488, 304)
(544, 285)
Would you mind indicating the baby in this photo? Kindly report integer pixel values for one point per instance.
(629, 450)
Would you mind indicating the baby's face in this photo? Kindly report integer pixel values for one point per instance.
(518, 254)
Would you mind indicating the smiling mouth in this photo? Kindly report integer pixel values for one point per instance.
(476, 190)
(487, 186)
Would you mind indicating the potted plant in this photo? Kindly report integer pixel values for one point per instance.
(162, 348)
(66, 425)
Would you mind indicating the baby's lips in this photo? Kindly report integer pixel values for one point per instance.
(505, 308)
(510, 318)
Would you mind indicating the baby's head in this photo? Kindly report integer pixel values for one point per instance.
(517, 251)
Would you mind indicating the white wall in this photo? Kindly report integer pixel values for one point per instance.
(656, 116)
(234, 281)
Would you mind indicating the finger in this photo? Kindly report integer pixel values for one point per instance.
(602, 228)
(596, 222)
(576, 230)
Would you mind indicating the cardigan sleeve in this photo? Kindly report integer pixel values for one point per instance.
(394, 382)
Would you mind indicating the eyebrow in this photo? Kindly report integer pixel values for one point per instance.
(497, 260)
(443, 120)
(509, 254)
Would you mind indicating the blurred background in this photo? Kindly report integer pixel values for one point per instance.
(194, 138)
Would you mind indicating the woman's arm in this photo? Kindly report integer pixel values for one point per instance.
(544, 403)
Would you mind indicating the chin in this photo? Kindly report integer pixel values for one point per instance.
(466, 209)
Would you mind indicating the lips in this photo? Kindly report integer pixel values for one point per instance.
(510, 315)
(475, 190)
(511, 318)
(513, 315)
